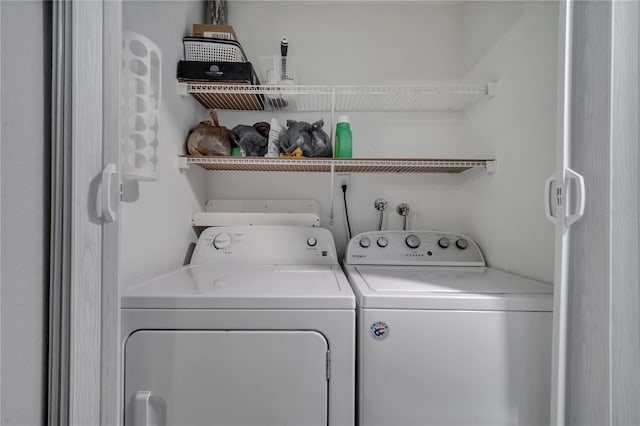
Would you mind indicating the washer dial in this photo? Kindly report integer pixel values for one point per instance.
(462, 243)
(444, 242)
(382, 242)
(412, 241)
(365, 242)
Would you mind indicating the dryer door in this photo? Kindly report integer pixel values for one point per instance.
(211, 378)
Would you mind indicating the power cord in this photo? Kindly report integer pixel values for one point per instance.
(346, 211)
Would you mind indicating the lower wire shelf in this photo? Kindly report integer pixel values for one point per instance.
(339, 165)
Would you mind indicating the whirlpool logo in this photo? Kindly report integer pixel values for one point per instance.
(379, 330)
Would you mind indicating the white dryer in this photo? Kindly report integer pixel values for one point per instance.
(444, 340)
(258, 330)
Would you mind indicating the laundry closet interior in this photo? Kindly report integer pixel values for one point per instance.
(510, 47)
(454, 108)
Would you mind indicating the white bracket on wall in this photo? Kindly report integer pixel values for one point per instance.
(259, 212)
(492, 88)
(490, 166)
(182, 163)
(182, 89)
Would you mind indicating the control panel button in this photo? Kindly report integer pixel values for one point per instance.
(412, 241)
(365, 242)
(382, 242)
(444, 242)
(462, 244)
(221, 241)
(311, 241)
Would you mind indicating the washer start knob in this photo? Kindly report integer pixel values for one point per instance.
(311, 241)
(412, 241)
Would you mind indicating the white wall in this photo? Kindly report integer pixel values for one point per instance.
(343, 43)
(24, 229)
(156, 216)
(506, 213)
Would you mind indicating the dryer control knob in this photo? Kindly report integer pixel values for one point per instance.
(413, 241)
(382, 242)
(221, 241)
(462, 244)
(311, 241)
(444, 242)
(365, 242)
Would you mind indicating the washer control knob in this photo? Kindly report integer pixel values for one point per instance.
(444, 242)
(221, 241)
(382, 242)
(462, 244)
(365, 242)
(413, 241)
(311, 241)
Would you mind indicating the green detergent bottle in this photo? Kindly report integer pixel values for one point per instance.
(343, 137)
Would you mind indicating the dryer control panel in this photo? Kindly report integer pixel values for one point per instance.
(265, 245)
(427, 248)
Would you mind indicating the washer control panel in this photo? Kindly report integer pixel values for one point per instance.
(428, 248)
(265, 245)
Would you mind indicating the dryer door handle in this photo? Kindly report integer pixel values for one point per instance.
(141, 408)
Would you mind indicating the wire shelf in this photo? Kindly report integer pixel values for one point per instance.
(427, 97)
(339, 165)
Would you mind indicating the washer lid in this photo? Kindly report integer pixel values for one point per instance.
(469, 288)
(244, 287)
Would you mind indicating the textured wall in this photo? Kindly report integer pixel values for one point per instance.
(24, 225)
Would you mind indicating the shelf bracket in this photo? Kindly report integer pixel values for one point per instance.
(490, 166)
(182, 163)
(492, 89)
(182, 89)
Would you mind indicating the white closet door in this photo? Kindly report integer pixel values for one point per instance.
(226, 378)
(603, 349)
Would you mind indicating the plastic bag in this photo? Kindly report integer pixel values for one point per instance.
(250, 139)
(209, 138)
(309, 138)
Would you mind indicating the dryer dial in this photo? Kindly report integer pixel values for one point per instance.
(221, 241)
(365, 242)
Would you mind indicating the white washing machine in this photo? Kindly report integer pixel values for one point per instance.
(258, 330)
(444, 340)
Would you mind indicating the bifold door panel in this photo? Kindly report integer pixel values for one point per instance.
(230, 378)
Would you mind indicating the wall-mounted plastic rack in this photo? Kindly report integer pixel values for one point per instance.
(426, 97)
(338, 165)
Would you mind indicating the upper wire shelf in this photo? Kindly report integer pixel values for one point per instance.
(401, 98)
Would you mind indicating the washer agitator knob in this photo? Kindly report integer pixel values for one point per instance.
(221, 241)
(462, 244)
(444, 242)
(382, 242)
(311, 241)
(365, 242)
(413, 241)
